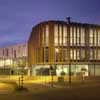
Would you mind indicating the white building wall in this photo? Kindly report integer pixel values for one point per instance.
(12, 52)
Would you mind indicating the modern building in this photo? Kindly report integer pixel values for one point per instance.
(64, 46)
(13, 59)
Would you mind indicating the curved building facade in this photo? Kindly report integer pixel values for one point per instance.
(64, 46)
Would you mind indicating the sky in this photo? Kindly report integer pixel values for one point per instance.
(17, 17)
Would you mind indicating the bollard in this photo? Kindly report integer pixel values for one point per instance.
(21, 80)
(52, 80)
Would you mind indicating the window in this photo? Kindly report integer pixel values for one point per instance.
(60, 35)
(98, 54)
(95, 37)
(43, 36)
(56, 35)
(95, 54)
(7, 52)
(57, 54)
(71, 36)
(91, 37)
(78, 36)
(74, 36)
(98, 37)
(47, 35)
(46, 54)
(82, 36)
(3, 52)
(82, 54)
(78, 54)
(91, 54)
(14, 53)
(65, 54)
(64, 35)
(73, 54)
(38, 55)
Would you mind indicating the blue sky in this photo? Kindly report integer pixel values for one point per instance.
(17, 17)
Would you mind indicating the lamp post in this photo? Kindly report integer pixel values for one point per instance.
(51, 73)
(53, 68)
(70, 74)
(56, 51)
(69, 51)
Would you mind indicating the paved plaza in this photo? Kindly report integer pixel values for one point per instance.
(42, 91)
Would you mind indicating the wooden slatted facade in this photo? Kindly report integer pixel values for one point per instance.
(77, 43)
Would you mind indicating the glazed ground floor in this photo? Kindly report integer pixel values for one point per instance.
(13, 71)
(73, 69)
